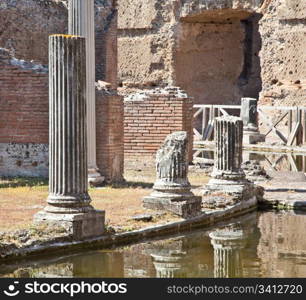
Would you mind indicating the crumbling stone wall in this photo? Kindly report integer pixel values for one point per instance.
(197, 45)
(145, 43)
(283, 55)
(218, 51)
(209, 61)
(26, 24)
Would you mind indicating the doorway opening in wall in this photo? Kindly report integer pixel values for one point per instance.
(216, 59)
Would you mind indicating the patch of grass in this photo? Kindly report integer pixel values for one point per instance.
(132, 184)
(14, 182)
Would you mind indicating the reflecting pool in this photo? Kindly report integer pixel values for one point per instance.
(261, 244)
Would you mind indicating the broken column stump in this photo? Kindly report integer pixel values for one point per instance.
(172, 190)
(228, 185)
(69, 201)
(249, 117)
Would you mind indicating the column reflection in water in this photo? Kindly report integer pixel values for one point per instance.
(227, 244)
(171, 264)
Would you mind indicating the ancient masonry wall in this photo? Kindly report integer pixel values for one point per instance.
(106, 41)
(24, 115)
(110, 147)
(198, 45)
(23, 101)
(283, 55)
(26, 24)
(218, 51)
(24, 29)
(150, 117)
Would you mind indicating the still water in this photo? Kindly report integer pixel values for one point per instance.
(261, 244)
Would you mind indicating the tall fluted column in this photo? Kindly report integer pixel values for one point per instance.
(68, 201)
(67, 128)
(228, 151)
(81, 22)
(227, 253)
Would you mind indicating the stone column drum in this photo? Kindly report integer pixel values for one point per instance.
(227, 253)
(68, 201)
(81, 22)
(228, 152)
(249, 117)
(172, 190)
(228, 184)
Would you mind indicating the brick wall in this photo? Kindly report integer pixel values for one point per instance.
(149, 119)
(23, 102)
(24, 130)
(110, 152)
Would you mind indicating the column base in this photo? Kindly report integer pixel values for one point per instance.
(94, 178)
(184, 204)
(80, 226)
(219, 193)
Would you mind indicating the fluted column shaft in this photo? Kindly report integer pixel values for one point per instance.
(81, 22)
(228, 151)
(68, 191)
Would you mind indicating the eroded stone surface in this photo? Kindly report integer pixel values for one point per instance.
(283, 56)
(212, 48)
(254, 171)
(228, 184)
(68, 200)
(36, 236)
(172, 190)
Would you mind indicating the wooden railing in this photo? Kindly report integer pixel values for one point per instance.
(206, 115)
(269, 160)
(285, 124)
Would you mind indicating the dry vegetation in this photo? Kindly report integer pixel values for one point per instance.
(21, 198)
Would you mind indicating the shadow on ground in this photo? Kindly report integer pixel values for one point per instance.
(132, 184)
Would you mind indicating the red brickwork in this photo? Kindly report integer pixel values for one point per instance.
(23, 105)
(24, 111)
(110, 152)
(147, 122)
